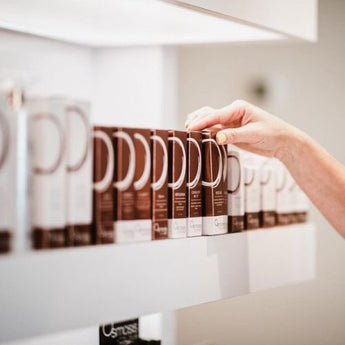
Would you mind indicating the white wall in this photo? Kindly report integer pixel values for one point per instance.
(306, 86)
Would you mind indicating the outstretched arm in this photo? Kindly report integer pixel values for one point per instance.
(318, 173)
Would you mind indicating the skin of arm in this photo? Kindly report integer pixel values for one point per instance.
(318, 173)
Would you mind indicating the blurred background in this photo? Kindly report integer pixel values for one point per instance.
(303, 83)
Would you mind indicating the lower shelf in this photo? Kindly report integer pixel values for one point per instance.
(50, 291)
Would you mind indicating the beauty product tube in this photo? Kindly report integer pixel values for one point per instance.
(79, 173)
(177, 177)
(215, 218)
(142, 185)
(235, 189)
(267, 195)
(124, 194)
(159, 183)
(194, 184)
(103, 176)
(252, 197)
(49, 170)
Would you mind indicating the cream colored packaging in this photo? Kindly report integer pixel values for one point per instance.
(47, 138)
(79, 173)
(235, 189)
(252, 196)
(267, 195)
(8, 154)
(283, 196)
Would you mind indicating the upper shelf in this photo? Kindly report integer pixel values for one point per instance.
(109, 23)
(50, 291)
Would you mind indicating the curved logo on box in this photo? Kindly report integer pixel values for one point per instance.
(79, 137)
(5, 139)
(215, 183)
(234, 180)
(104, 184)
(283, 181)
(141, 182)
(225, 167)
(178, 183)
(249, 179)
(265, 179)
(194, 182)
(126, 182)
(47, 128)
(160, 182)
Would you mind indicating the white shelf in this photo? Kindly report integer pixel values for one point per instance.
(44, 292)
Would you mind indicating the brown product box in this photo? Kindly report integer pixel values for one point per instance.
(103, 176)
(159, 183)
(47, 135)
(252, 197)
(267, 195)
(79, 173)
(215, 218)
(142, 185)
(124, 195)
(194, 184)
(177, 162)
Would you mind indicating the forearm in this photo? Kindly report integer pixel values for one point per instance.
(319, 174)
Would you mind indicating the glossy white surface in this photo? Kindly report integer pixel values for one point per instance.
(51, 291)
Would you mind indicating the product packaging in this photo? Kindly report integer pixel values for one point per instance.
(159, 183)
(215, 218)
(267, 195)
(103, 176)
(79, 173)
(252, 196)
(194, 184)
(235, 189)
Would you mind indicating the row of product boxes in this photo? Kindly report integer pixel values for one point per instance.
(66, 183)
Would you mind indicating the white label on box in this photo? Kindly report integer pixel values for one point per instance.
(252, 189)
(194, 226)
(79, 164)
(177, 228)
(133, 230)
(215, 225)
(47, 136)
(235, 182)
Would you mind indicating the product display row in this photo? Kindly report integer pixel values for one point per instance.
(67, 183)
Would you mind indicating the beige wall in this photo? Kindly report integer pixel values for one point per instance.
(305, 85)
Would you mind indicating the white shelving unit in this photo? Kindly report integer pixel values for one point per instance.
(50, 291)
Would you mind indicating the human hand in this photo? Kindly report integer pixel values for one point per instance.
(246, 126)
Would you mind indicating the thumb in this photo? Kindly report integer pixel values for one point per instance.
(246, 135)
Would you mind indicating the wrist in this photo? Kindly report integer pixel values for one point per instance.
(293, 142)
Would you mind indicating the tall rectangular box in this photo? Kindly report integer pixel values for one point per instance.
(47, 135)
(103, 176)
(159, 183)
(252, 197)
(235, 189)
(8, 169)
(267, 195)
(79, 173)
(215, 218)
(283, 196)
(177, 163)
(142, 185)
(194, 184)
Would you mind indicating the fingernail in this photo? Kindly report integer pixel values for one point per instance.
(186, 124)
(221, 138)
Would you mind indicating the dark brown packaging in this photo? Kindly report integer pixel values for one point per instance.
(268, 187)
(103, 175)
(159, 183)
(124, 195)
(194, 184)
(177, 162)
(142, 185)
(119, 333)
(252, 197)
(215, 219)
